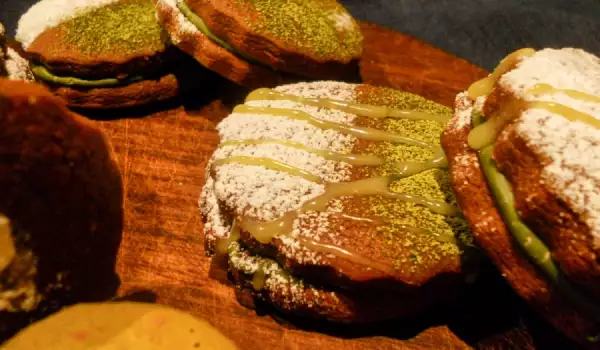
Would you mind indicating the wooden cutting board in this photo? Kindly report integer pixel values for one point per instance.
(162, 157)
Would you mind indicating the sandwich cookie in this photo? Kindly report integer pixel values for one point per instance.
(60, 210)
(138, 326)
(523, 149)
(104, 54)
(12, 65)
(332, 201)
(250, 41)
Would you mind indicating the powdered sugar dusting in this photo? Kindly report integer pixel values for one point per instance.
(479, 103)
(262, 193)
(47, 14)
(311, 226)
(571, 149)
(589, 107)
(330, 89)
(566, 68)
(261, 126)
(343, 21)
(181, 27)
(215, 219)
(333, 115)
(465, 163)
(244, 262)
(267, 194)
(16, 66)
(330, 171)
(462, 112)
(288, 291)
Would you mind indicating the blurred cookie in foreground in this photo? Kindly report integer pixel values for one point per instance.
(256, 42)
(104, 54)
(60, 210)
(524, 153)
(331, 201)
(137, 326)
(12, 65)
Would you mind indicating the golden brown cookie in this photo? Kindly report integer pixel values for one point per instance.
(62, 192)
(95, 56)
(523, 147)
(252, 42)
(318, 205)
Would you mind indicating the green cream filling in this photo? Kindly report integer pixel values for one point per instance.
(203, 28)
(535, 249)
(125, 27)
(46, 75)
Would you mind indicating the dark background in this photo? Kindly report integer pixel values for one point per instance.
(481, 31)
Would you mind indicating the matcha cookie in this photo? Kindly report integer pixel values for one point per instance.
(343, 188)
(104, 54)
(524, 152)
(252, 41)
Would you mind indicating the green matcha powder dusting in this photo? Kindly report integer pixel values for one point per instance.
(431, 184)
(126, 26)
(323, 28)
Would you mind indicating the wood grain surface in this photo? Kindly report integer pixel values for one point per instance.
(162, 156)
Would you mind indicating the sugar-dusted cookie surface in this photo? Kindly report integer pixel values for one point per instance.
(262, 43)
(92, 54)
(278, 154)
(541, 117)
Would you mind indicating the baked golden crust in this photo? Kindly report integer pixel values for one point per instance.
(490, 232)
(363, 243)
(61, 185)
(185, 75)
(231, 23)
(213, 56)
(52, 49)
(136, 94)
(446, 273)
(97, 40)
(546, 215)
(565, 233)
(315, 301)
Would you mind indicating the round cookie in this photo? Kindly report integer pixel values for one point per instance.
(523, 149)
(94, 55)
(250, 42)
(292, 182)
(138, 326)
(62, 194)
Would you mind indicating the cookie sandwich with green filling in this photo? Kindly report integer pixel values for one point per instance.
(60, 208)
(12, 65)
(252, 41)
(138, 326)
(524, 153)
(331, 201)
(104, 54)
